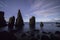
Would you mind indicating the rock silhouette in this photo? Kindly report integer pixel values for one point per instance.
(11, 22)
(32, 23)
(41, 24)
(2, 20)
(19, 20)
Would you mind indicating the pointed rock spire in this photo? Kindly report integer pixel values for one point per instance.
(19, 20)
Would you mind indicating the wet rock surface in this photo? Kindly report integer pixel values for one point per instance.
(29, 35)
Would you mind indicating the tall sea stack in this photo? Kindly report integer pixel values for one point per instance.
(19, 20)
(11, 22)
(32, 23)
(2, 19)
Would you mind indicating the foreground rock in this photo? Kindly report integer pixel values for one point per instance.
(44, 37)
(11, 22)
(19, 20)
(2, 19)
(57, 32)
(7, 36)
(32, 23)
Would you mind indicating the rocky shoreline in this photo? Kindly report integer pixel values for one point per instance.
(29, 35)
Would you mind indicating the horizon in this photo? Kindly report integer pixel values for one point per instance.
(43, 10)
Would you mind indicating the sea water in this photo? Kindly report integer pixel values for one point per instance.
(48, 27)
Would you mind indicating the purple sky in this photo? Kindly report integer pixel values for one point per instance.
(43, 10)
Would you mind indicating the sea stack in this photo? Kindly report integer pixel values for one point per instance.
(41, 24)
(2, 19)
(19, 20)
(11, 22)
(32, 23)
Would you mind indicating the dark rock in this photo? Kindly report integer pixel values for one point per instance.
(44, 37)
(32, 34)
(38, 36)
(23, 35)
(7, 36)
(19, 20)
(2, 19)
(49, 32)
(58, 24)
(57, 32)
(53, 37)
(41, 24)
(32, 23)
(11, 22)
(33, 38)
(37, 31)
(44, 32)
(58, 37)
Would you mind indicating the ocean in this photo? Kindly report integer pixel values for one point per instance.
(48, 27)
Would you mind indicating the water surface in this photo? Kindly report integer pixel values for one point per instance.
(48, 27)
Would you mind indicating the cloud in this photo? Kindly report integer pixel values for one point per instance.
(56, 18)
(45, 8)
(39, 7)
(43, 20)
(3, 3)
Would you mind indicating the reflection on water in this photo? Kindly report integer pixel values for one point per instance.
(48, 27)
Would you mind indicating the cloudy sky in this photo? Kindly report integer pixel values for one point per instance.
(43, 10)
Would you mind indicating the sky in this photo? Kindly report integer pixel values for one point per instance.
(43, 10)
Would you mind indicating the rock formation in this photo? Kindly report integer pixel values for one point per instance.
(41, 24)
(7, 36)
(11, 22)
(19, 20)
(32, 22)
(2, 19)
(45, 37)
